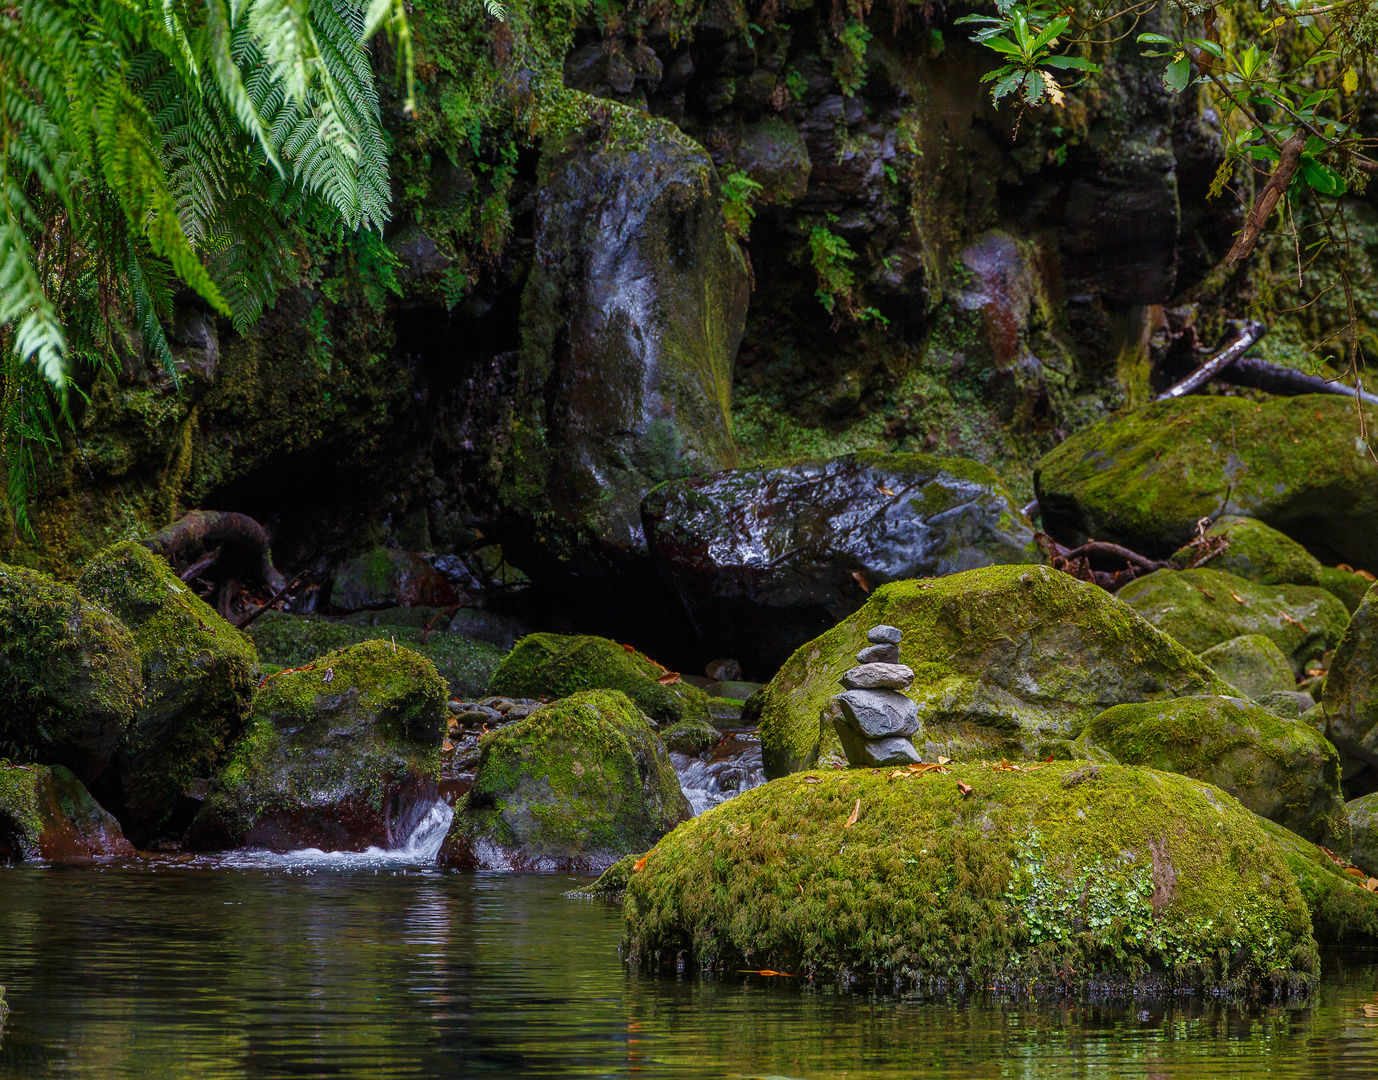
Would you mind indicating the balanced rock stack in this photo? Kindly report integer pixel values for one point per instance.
(874, 720)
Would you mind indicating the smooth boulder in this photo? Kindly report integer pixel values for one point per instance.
(1257, 552)
(1145, 478)
(1363, 823)
(1252, 664)
(1008, 661)
(199, 674)
(343, 755)
(1282, 770)
(71, 680)
(766, 559)
(1070, 878)
(577, 785)
(386, 577)
(1204, 608)
(1350, 697)
(47, 813)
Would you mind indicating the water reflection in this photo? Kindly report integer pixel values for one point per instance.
(186, 969)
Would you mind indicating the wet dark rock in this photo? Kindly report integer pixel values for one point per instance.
(723, 670)
(342, 756)
(71, 680)
(46, 813)
(386, 577)
(690, 736)
(574, 787)
(767, 558)
(199, 674)
(773, 153)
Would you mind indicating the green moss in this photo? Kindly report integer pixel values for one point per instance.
(581, 781)
(1258, 553)
(1071, 877)
(691, 736)
(554, 665)
(1008, 660)
(1343, 912)
(19, 812)
(1280, 769)
(1349, 587)
(289, 641)
(1252, 663)
(1203, 608)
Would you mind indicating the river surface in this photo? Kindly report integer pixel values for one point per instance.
(366, 967)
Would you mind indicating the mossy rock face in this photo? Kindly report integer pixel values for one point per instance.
(1363, 822)
(71, 680)
(1350, 694)
(46, 813)
(1144, 479)
(342, 756)
(819, 537)
(631, 318)
(576, 786)
(199, 674)
(1259, 553)
(1349, 587)
(1071, 877)
(1008, 662)
(690, 736)
(1343, 912)
(466, 663)
(1282, 770)
(557, 665)
(1204, 608)
(1252, 664)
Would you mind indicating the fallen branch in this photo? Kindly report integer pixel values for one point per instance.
(247, 619)
(206, 527)
(1276, 379)
(1289, 158)
(1212, 368)
(1076, 562)
(198, 568)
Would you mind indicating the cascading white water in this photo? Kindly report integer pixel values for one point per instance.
(420, 849)
(718, 774)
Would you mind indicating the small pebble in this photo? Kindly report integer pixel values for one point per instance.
(884, 635)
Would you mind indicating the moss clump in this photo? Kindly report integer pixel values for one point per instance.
(289, 641)
(21, 825)
(1072, 877)
(690, 736)
(555, 665)
(1251, 663)
(343, 755)
(1363, 821)
(577, 784)
(1147, 477)
(1280, 769)
(1203, 608)
(1259, 553)
(199, 674)
(1008, 660)
(1348, 586)
(70, 675)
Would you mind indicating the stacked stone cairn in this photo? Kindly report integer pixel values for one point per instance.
(873, 718)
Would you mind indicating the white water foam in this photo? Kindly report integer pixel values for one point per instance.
(420, 849)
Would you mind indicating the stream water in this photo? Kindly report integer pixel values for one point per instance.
(320, 967)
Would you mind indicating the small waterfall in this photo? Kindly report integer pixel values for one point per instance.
(420, 849)
(728, 768)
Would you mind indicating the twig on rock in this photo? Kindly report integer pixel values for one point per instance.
(247, 619)
(1248, 335)
(1076, 562)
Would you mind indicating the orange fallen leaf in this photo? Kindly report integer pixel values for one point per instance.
(765, 971)
(1208, 596)
(668, 679)
(860, 579)
(1237, 598)
(925, 766)
(445, 744)
(1294, 622)
(1356, 872)
(1366, 575)
(885, 490)
(900, 773)
(1315, 671)
(856, 813)
(629, 648)
(1344, 566)
(640, 864)
(1048, 759)
(965, 789)
(801, 890)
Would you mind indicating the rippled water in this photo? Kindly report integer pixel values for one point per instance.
(198, 969)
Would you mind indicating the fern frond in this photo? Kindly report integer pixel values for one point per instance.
(38, 334)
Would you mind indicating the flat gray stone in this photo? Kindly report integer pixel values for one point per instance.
(878, 677)
(879, 714)
(879, 654)
(884, 635)
(872, 753)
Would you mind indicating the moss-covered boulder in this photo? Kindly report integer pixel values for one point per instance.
(71, 681)
(1363, 823)
(557, 665)
(465, 662)
(1280, 769)
(199, 673)
(1350, 695)
(343, 755)
(1252, 664)
(1343, 912)
(1008, 661)
(47, 813)
(386, 577)
(690, 736)
(1070, 877)
(577, 785)
(1145, 478)
(1349, 587)
(1204, 608)
(1259, 553)
(820, 535)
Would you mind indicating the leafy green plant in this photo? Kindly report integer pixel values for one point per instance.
(831, 257)
(739, 191)
(1026, 37)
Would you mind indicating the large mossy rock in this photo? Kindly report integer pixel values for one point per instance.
(71, 681)
(1070, 877)
(1204, 608)
(1363, 823)
(1145, 478)
(1282, 770)
(1252, 664)
(1008, 662)
(387, 577)
(46, 813)
(766, 559)
(1258, 552)
(575, 786)
(1350, 695)
(557, 665)
(199, 674)
(631, 318)
(465, 662)
(1343, 912)
(342, 756)
(1350, 588)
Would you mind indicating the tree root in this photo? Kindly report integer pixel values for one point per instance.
(202, 528)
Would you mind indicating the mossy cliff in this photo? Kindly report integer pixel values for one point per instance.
(1067, 878)
(1008, 661)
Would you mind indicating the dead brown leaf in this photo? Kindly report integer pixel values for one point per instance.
(629, 648)
(885, 490)
(668, 679)
(860, 579)
(1356, 872)
(446, 745)
(640, 864)
(1366, 575)
(1208, 596)
(926, 766)
(765, 971)
(1239, 599)
(965, 789)
(813, 779)
(943, 760)
(856, 813)
(1345, 567)
(1371, 884)
(1294, 622)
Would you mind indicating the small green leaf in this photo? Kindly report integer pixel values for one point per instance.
(1177, 75)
